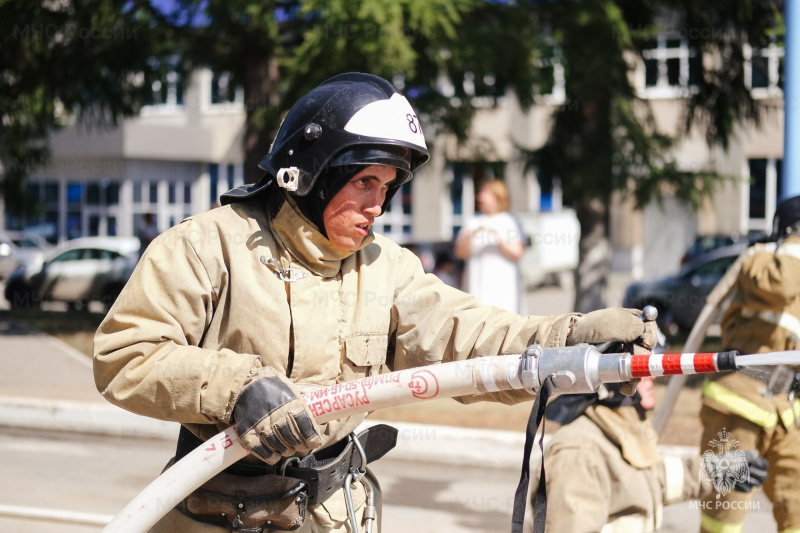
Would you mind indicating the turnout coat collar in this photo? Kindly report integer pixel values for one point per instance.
(301, 238)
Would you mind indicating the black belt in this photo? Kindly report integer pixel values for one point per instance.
(324, 471)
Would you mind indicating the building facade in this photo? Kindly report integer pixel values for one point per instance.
(185, 149)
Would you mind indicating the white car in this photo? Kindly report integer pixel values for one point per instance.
(76, 272)
(16, 251)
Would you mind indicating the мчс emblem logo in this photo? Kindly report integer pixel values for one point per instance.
(726, 467)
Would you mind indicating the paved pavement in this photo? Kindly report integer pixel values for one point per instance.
(47, 386)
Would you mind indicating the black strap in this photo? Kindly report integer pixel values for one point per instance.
(521, 495)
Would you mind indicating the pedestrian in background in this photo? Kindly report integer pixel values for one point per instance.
(491, 244)
(146, 232)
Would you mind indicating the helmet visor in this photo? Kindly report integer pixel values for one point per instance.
(366, 156)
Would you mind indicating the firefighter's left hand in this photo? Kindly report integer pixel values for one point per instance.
(616, 324)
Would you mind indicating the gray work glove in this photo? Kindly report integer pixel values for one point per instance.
(758, 472)
(616, 324)
(272, 419)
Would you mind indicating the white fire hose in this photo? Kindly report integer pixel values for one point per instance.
(575, 369)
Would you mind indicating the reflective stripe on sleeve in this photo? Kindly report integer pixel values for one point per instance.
(740, 406)
(715, 526)
(673, 468)
(784, 320)
(788, 416)
(628, 524)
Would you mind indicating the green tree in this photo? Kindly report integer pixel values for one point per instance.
(603, 140)
(89, 61)
(279, 50)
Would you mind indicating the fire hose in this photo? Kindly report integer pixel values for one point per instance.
(570, 370)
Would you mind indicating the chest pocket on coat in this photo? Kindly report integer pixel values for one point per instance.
(366, 351)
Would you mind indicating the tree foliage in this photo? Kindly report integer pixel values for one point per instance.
(94, 61)
(604, 139)
(89, 61)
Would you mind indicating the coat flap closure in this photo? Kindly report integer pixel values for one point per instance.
(366, 350)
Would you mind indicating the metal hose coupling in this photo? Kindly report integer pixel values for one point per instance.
(575, 369)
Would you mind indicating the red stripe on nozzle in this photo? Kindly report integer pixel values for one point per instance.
(640, 366)
(704, 363)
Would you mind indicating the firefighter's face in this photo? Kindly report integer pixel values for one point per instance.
(349, 215)
(645, 389)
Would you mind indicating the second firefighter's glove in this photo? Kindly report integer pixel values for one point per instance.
(272, 419)
(616, 324)
(757, 470)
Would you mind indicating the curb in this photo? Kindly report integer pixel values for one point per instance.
(445, 445)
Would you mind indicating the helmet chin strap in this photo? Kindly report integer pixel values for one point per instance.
(314, 203)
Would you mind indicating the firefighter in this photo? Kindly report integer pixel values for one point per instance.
(764, 316)
(232, 314)
(605, 472)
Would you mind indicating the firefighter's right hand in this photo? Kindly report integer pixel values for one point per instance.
(272, 419)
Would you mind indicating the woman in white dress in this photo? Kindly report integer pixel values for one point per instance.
(491, 244)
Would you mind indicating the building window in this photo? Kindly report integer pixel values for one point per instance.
(763, 70)
(552, 89)
(94, 225)
(396, 221)
(224, 90)
(213, 178)
(165, 94)
(74, 193)
(93, 194)
(671, 68)
(111, 226)
(765, 189)
(112, 193)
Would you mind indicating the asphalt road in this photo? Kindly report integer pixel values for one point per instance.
(97, 476)
(93, 477)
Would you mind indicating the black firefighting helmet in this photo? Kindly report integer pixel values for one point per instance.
(348, 122)
(787, 216)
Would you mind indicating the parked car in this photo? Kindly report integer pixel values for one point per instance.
(17, 250)
(705, 243)
(680, 298)
(76, 272)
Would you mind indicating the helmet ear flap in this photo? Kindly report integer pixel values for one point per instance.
(787, 217)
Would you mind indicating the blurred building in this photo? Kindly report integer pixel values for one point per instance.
(175, 159)
(186, 149)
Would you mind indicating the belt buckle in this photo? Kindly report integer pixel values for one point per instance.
(287, 462)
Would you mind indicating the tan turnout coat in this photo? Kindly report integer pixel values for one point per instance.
(605, 474)
(204, 304)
